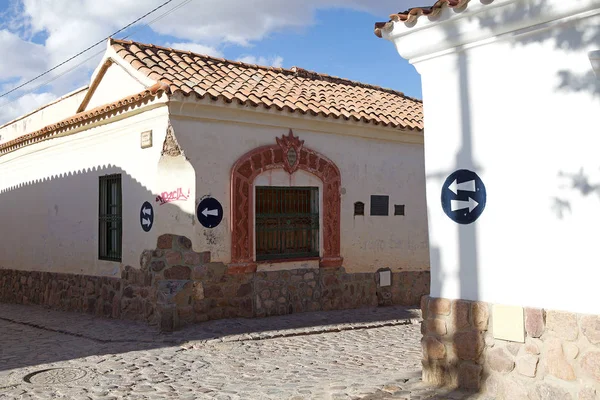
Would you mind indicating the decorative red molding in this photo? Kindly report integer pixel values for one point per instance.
(265, 158)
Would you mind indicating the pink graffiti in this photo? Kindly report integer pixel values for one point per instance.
(169, 197)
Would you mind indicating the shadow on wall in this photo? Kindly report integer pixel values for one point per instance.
(453, 348)
(51, 256)
(450, 345)
(566, 37)
(59, 215)
(578, 182)
(65, 211)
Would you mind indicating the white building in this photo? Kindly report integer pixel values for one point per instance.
(511, 92)
(260, 174)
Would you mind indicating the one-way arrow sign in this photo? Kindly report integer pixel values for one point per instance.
(146, 216)
(463, 196)
(206, 212)
(209, 212)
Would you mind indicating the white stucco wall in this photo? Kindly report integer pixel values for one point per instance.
(509, 92)
(114, 85)
(49, 190)
(214, 137)
(49, 195)
(51, 113)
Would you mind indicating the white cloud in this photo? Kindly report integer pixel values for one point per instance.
(196, 48)
(275, 61)
(20, 58)
(203, 26)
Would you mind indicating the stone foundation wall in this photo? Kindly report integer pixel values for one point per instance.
(560, 358)
(127, 297)
(190, 288)
(175, 286)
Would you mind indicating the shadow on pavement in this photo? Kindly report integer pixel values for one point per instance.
(38, 331)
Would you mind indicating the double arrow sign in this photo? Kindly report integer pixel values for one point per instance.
(146, 221)
(468, 186)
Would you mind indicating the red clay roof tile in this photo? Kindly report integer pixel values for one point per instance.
(50, 131)
(412, 14)
(293, 89)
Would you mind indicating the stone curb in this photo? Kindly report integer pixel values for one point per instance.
(217, 337)
(304, 332)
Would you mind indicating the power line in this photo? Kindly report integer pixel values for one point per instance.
(83, 51)
(53, 79)
(185, 2)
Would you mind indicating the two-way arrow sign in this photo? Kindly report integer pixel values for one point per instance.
(146, 216)
(468, 186)
(463, 196)
(206, 212)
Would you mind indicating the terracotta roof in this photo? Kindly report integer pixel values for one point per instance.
(412, 14)
(82, 118)
(293, 90)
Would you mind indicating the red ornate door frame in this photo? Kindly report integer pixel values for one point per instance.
(289, 154)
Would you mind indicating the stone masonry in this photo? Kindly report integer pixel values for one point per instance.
(560, 358)
(175, 286)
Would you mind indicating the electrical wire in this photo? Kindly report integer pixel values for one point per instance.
(86, 50)
(182, 4)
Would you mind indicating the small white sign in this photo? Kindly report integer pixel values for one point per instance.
(385, 278)
(146, 139)
(508, 323)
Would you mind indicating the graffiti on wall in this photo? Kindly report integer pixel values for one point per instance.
(175, 195)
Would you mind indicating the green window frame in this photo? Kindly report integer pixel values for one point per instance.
(286, 222)
(110, 227)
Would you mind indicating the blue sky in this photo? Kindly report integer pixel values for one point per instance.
(328, 36)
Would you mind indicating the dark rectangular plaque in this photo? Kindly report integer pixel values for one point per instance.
(359, 208)
(380, 205)
(398, 209)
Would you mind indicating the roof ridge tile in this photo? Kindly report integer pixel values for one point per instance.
(297, 71)
(412, 14)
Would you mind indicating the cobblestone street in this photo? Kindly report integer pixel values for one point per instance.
(355, 354)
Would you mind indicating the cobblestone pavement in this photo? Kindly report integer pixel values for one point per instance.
(355, 354)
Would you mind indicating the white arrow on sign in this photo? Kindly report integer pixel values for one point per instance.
(456, 205)
(146, 211)
(468, 186)
(207, 212)
(146, 221)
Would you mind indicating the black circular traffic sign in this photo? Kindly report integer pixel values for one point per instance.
(146, 216)
(209, 212)
(463, 196)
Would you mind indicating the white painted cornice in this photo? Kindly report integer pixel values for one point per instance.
(481, 21)
(206, 109)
